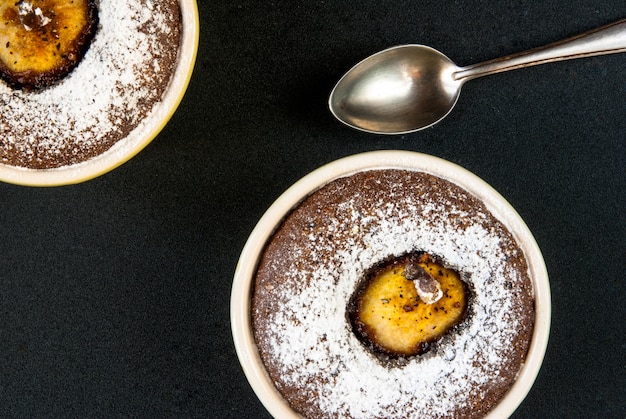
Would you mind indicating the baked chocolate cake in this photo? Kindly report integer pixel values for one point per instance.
(123, 74)
(319, 256)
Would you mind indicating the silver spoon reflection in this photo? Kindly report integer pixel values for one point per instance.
(411, 87)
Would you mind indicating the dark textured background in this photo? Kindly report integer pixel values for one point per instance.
(114, 293)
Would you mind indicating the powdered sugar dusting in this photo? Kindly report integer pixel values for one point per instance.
(309, 343)
(118, 82)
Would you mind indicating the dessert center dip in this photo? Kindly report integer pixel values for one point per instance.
(324, 250)
(122, 75)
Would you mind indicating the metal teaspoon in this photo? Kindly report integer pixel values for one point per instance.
(411, 87)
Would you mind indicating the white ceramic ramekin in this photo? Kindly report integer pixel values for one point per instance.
(499, 207)
(139, 138)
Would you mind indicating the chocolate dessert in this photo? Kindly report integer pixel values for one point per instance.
(124, 73)
(379, 224)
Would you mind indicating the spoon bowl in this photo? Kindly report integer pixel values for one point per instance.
(411, 87)
(397, 90)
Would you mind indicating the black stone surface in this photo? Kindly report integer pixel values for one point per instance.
(114, 293)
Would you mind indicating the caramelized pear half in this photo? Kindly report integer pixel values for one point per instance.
(41, 41)
(388, 315)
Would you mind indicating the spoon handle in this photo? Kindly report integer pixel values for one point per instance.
(608, 39)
